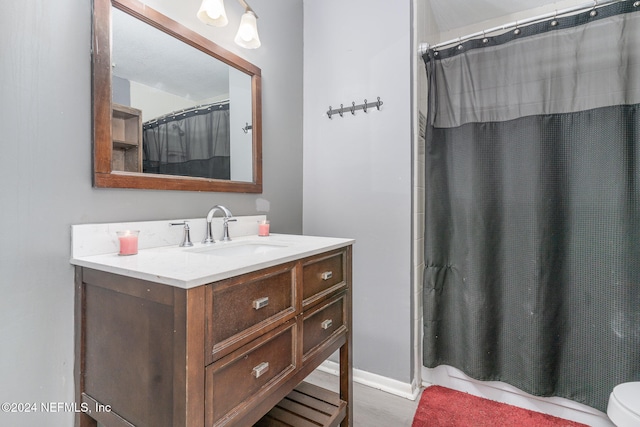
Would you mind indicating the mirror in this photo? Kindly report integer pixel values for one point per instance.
(172, 110)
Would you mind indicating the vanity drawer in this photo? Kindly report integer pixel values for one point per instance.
(323, 275)
(238, 381)
(322, 322)
(242, 308)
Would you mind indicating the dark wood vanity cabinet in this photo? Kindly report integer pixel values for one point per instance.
(229, 353)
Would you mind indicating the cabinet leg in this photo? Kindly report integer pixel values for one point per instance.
(346, 383)
(346, 351)
(81, 419)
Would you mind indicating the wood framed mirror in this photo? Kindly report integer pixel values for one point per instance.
(144, 133)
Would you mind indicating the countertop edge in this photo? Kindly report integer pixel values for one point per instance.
(214, 277)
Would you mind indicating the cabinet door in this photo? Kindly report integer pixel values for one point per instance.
(323, 322)
(322, 276)
(242, 308)
(239, 381)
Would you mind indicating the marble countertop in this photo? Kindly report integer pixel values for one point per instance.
(201, 264)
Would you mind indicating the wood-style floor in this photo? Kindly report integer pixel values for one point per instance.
(372, 407)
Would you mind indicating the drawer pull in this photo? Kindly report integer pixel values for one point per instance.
(326, 324)
(259, 370)
(327, 275)
(260, 302)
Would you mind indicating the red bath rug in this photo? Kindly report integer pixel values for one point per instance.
(443, 407)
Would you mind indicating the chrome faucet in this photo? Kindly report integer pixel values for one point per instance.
(186, 235)
(228, 217)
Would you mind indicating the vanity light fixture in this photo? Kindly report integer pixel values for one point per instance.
(212, 12)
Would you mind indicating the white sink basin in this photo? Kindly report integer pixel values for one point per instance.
(232, 249)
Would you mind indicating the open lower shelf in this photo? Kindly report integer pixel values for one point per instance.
(306, 406)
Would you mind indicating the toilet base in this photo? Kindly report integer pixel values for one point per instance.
(620, 415)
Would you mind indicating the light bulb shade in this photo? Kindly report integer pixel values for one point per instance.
(247, 35)
(212, 13)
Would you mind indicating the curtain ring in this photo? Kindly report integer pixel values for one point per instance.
(353, 108)
(460, 47)
(484, 37)
(330, 112)
(554, 22)
(365, 106)
(341, 110)
(517, 30)
(594, 12)
(378, 104)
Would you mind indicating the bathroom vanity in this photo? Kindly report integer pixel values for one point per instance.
(224, 336)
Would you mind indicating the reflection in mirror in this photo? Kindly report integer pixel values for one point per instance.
(185, 113)
(187, 101)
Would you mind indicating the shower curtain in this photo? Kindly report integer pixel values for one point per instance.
(532, 237)
(194, 143)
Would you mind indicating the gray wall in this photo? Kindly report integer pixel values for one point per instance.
(45, 176)
(357, 169)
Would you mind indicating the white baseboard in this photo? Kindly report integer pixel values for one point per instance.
(388, 385)
(453, 378)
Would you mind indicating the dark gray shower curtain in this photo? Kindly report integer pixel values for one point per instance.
(532, 241)
(195, 143)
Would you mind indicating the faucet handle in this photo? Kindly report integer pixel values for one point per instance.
(225, 228)
(186, 236)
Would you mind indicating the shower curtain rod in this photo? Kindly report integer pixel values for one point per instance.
(423, 47)
(173, 114)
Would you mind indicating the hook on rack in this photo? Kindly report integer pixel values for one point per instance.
(247, 128)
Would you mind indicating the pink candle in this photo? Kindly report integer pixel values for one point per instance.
(128, 242)
(263, 228)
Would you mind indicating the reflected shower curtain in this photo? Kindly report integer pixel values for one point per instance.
(532, 241)
(194, 143)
